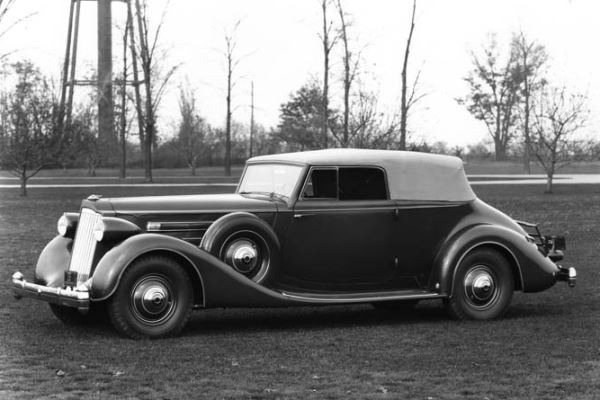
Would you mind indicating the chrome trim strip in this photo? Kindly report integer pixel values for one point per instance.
(196, 211)
(168, 226)
(369, 297)
(339, 207)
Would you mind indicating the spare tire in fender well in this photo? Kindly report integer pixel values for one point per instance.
(248, 237)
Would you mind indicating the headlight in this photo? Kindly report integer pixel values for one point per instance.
(62, 225)
(99, 230)
(113, 229)
(67, 224)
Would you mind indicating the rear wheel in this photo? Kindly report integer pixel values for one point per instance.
(246, 243)
(483, 286)
(248, 253)
(154, 299)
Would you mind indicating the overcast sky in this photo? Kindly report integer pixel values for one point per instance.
(279, 50)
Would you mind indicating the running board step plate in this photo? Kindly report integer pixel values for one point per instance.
(360, 297)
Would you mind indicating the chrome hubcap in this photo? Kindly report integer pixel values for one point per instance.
(242, 254)
(480, 287)
(152, 299)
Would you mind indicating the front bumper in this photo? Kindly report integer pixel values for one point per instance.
(78, 297)
(568, 275)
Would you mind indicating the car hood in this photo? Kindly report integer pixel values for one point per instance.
(181, 204)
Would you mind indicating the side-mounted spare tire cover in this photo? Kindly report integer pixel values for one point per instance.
(246, 243)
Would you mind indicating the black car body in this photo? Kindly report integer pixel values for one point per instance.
(321, 227)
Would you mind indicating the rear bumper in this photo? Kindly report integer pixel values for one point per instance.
(568, 275)
(78, 298)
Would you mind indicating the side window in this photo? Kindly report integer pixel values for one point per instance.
(321, 184)
(362, 184)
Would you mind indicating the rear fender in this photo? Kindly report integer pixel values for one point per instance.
(532, 271)
(221, 285)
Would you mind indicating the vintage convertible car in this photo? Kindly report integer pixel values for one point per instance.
(314, 228)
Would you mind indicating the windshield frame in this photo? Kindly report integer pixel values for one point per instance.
(297, 185)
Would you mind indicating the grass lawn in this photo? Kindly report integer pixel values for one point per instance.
(547, 346)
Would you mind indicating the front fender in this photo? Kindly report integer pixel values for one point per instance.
(533, 271)
(221, 285)
(53, 262)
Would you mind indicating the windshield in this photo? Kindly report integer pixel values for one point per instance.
(272, 179)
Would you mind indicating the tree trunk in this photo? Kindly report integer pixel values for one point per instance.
(123, 126)
(326, 51)
(527, 152)
(146, 68)
(499, 150)
(251, 152)
(106, 130)
(550, 175)
(92, 169)
(228, 121)
(549, 179)
(403, 105)
(347, 80)
(136, 85)
(23, 180)
(149, 140)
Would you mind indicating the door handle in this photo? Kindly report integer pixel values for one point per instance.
(300, 216)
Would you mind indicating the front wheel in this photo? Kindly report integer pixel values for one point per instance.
(154, 299)
(483, 286)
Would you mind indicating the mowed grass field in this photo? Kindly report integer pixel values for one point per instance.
(546, 347)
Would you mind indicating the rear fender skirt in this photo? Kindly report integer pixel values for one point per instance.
(533, 271)
(222, 286)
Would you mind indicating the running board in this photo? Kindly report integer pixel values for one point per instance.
(361, 297)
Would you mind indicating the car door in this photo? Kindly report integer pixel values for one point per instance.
(340, 235)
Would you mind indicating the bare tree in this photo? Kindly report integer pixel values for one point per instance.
(530, 57)
(84, 131)
(29, 140)
(350, 61)
(494, 94)
(192, 129)
(5, 6)
(155, 77)
(370, 128)
(328, 42)
(408, 100)
(232, 61)
(252, 124)
(558, 116)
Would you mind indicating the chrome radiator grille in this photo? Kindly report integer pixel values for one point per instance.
(85, 245)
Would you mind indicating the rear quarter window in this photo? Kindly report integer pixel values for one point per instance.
(358, 183)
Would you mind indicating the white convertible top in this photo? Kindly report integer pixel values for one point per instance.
(411, 175)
